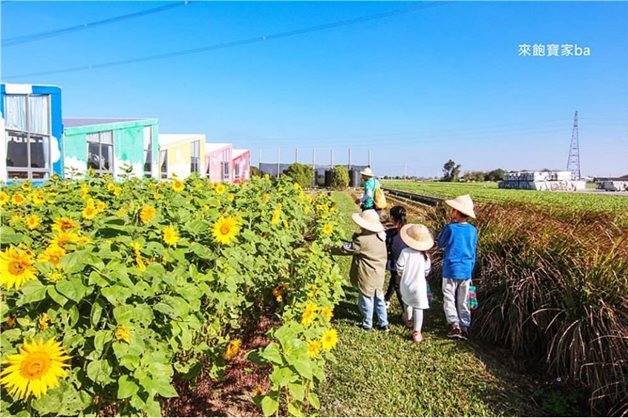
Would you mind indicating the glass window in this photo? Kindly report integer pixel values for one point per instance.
(148, 151)
(163, 162)
(195, 152)
(100, 152)
(28, 136)
(236, 170)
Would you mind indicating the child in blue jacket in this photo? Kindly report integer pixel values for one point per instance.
(458, 240)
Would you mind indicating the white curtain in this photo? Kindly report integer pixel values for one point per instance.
(15, 112)
(38, 114)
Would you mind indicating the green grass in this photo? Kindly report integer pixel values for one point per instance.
(610, 205)
(385, 374)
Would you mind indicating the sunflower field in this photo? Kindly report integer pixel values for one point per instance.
(112, 290)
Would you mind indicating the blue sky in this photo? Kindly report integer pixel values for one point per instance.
(416, 88)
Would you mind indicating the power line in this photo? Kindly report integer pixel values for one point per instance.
(17, 40)
(231, 44)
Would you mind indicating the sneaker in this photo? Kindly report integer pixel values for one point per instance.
(417, 337)
(454, 332)
(387, 304)
(464, 333)
(385, 328)
(365, 328)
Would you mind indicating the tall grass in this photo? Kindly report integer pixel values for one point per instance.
(556, 291)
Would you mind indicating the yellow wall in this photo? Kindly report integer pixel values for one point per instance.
(180, 153)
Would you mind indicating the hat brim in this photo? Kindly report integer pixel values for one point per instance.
(366, 174)
(419, 245)
(467, 211)
(371, 226)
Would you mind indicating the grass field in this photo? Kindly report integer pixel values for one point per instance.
(385, 374)
(613, 206)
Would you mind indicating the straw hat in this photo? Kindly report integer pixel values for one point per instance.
(463, 204)
(369, 219)
(417, 237)
(367, 172)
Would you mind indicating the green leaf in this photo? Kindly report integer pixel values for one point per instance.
(116, 295)
(272, 354)
(269, 406)
(56, 296)
(72, 289)
(96, 313)
(100, 339)
(297, 391)
(32, 291)
(153, 408)
(294, 410)
(126, 387)
(282, 376)
(99, 371)
(303, 367)
(313, 398)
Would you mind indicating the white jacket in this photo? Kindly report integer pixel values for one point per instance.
(413, 267)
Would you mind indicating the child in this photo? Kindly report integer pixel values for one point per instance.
(413, 267)
(394, 246)
(368, 267)
(459, 240)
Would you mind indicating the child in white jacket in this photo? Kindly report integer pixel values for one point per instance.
(413, 266)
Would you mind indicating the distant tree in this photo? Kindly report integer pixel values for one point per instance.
(495, 175)
(474, 176)
(451, 171)
(303, 174)
(339, 177)
(255, 171)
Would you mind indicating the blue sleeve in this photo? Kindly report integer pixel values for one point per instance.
(475, 248)
(443, 237)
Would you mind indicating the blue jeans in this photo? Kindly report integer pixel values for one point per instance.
(366, 305)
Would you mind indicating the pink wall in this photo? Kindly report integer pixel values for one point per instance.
(243, 161)
(213, 159)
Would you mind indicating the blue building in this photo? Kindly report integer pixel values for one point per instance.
(31, 132)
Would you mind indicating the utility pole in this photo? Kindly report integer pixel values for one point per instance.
(405, 171)
(259, 161)
(370, 158)
(296, 155)
(349, 165)
(278, 162)
(314, 166)
(573, 162)
(331, 158)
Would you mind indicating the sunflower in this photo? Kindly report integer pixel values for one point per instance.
(26, 186)
(147, 214)
(15, 219)
(329, 339)
(38, 198)
(18, 199)
(276, 216)
(122, 212)
(100, 206)
(122, 333)
(55, 276)
(265, 198)
(43, 321)
(220, 188)
(278, 292)
(178, 185)
(308, 314)
(90, 211)
(32, 221)
(110, 187)
(117, 191)
(314, 348)
(4, 198)
(64, 224)
(84, 193)
(11, 321)
(328, 229)
(16, 267)
(225, 229)
(171, 235)
(53, 254)
(327, 312)
(232, 349)
(230, 197)
(36, 369)
(62, 239)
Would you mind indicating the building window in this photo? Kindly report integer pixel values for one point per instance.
(163, 163)
(28, 136)
(195, 152)
(148, 151)
(236, 170)
(224, 165)
(100, 152)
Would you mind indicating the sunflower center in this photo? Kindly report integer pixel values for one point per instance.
(16, 267)
(225, 229)
(35, 365)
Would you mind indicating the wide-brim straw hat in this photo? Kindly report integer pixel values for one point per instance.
(417, 237)
(369, 220)
(462, 204)
(367, 172)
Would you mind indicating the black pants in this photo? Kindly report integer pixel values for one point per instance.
(393, 286)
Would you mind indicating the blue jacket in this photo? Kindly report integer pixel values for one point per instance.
(459, 240)
(368, 197)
